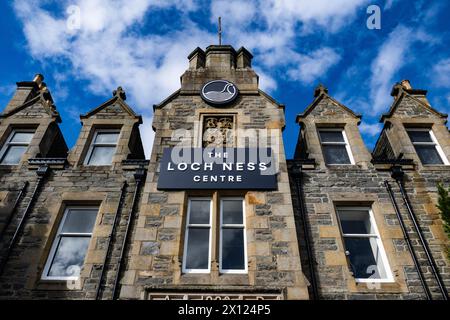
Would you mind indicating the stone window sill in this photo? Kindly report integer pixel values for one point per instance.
(57, 285)
(434, 167)
(379, 287)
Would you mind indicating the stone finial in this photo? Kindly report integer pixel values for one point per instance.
(319, 90)
(119, 92)
(402, 85)
(406, 84)
(38, 78)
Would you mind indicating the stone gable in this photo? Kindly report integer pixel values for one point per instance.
(327, 108)
(409, 107)
(36, 110)
(114, 110)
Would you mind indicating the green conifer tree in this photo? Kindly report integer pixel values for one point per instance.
(444, 208)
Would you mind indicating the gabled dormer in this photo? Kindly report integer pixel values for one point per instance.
(109, 135)
(413, 130)
(329, 133)
(29, 126)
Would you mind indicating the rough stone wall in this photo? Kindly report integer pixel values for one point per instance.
(272, 248)
(413, 110)
(273, 258)
(363, 184)
(72, 184)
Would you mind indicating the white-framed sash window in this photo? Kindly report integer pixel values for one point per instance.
(71, 243)
(335, 146)
(233, 242)
(427, 146)
(198, 236)
(103, 147)
(15, 146)
(363, 245)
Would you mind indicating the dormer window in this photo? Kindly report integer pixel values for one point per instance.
(103, 147)
(427, 147)
(16, 145)
(335, 146)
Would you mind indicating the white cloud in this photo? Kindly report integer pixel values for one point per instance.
(330, 15)
(390, 59)
(109, 50)
(233, 12)
(266, 82)
(389, 3)
(370, 129)
(441, 73)
(312, 66)
(104, 52)
(278, 24)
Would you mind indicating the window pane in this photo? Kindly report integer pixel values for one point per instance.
(336, 154)
(428, 154)
(107, 137)
(197, 253)
(420, 136)
(199, 211)
(79, 221)
(232, 212)
(362, 258)
(331, 136)
(69, 256)
(233, 249)
(355, 222)
(102, 155)
(13, 154)
(24, 137)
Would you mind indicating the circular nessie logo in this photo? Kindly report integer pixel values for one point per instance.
(219, 92)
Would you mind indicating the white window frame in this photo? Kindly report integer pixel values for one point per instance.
(434, 143)
(186, 236)
(94, 144)
(345, 143)
(56, 240)
(389, 277)
(233, 226)
(8, 143)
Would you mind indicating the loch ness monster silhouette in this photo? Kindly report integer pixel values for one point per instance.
(227, 93)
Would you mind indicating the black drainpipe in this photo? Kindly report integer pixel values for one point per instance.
(408, 240)
(302, 208)
(398, 175)
(108, 246)
(16, 203)
(139, 178)
(41, 172)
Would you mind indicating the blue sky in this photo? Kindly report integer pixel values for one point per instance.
(86, 48)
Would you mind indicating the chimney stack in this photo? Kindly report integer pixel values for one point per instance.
(197, 59)
(219, 62)
(406, 84)
(244, 58)
(25, 91)
(220, 57)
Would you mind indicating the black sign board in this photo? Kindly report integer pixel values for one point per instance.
(218, 168)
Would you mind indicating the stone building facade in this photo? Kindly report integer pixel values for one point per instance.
(96, 222)
(330, 192)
